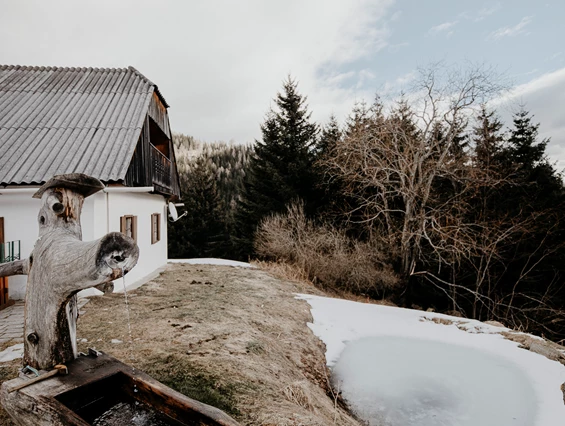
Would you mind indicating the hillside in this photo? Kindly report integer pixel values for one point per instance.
(237, 338)
(232, 337)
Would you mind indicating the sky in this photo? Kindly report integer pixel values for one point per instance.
(220, 63)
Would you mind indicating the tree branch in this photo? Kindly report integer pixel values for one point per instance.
(17, 267)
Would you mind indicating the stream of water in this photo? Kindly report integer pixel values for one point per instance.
(131, 344)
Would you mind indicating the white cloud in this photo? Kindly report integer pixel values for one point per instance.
(544, 97)
(218, 63)
(511, 31)
(442, 27)
(396, 16)
(487, 11)
(400, 84)
(396, 47)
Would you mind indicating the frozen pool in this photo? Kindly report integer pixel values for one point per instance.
(395, 381)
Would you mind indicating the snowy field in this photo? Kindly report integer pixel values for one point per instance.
(396, 367)
(212, 261)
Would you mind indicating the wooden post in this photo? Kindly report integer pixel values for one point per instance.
(61, 265)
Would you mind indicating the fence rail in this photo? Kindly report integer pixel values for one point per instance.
(9, 251)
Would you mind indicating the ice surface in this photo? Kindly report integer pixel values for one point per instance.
(343, 324)
(395, 381)
(212, 261)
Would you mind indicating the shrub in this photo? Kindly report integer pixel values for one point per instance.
(328, 257)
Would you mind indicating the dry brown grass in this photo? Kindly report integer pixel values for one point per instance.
(324, 255)
(290, 272)
(232, 337)
(8, 371)
(285, 271)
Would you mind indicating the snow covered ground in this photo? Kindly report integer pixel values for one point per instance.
(397, 367)
(212, 261)
(11, 353)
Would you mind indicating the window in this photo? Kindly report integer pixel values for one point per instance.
(155, 227)
(128, 226)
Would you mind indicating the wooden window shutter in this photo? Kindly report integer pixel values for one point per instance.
(134, 228)
(158, 222)
(155, 228)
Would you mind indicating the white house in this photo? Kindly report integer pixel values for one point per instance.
(111, 124)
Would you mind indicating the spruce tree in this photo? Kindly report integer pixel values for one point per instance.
(488, 140)
(201, 233)
(331, 135)
(536, 184)
(281, 169)
(524, 150)
(331, 202)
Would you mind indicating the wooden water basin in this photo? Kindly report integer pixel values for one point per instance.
(102, 391)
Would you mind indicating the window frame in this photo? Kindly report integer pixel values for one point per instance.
(123, 226)
(155, 233)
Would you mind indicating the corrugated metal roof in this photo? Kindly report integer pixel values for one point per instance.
(70, 120)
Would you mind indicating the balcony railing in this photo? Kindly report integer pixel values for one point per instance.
(9, 251)
(161, 168)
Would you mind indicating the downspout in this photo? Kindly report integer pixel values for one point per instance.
(107, 212)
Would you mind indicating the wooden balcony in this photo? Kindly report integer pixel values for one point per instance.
(162, 170)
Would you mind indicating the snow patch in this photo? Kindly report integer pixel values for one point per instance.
(435, 369)
(212, 261)
(11, 353)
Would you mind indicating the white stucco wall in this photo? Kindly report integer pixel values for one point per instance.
(142, 205)
(100, 214)
(20, 223)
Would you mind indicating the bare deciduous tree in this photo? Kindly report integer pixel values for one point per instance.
(390, 164)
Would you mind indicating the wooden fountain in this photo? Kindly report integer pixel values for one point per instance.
(64, 387)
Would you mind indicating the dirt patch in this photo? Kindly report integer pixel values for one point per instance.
(548, 349)
(8, 370)
(232, 337)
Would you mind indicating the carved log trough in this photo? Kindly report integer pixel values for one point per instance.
(100, 390)
(60, 265)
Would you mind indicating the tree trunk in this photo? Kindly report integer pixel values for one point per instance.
(61, 265)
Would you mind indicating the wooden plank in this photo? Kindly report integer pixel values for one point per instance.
(158, 112)
(134, 228)
(3, 280)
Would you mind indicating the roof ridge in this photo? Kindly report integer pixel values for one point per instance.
(130, 68)
(133, 69)
(58, 68)
(136, 72)
(68, 127)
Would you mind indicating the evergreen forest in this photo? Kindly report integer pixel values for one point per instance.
(430, 201)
